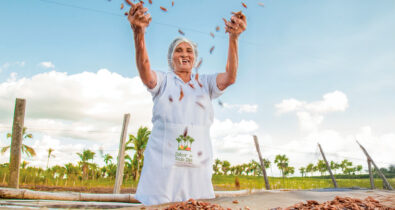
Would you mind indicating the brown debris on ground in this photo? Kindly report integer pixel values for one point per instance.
(193, 204)
(340, 203)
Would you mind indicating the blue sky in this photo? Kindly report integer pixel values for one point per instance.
(291, 49)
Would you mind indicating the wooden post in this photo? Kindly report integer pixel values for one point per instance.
(328, 167)
(121, 155)
(385, 181)
(267, 185)
(16, 142)
(370, 174)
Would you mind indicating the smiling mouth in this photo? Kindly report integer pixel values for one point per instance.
(184, 61)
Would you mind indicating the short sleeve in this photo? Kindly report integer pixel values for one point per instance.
(210, 81)
(160, 76)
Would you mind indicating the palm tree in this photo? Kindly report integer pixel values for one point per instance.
(309, 169)
(138, 143)
(107, 158)
(50, 150)
(85, 156)
(321, 167)
(344, 165)
(24, 164)
(29, 151)
(225, 166)
(302, 170)
(282, 163)
(216, 165)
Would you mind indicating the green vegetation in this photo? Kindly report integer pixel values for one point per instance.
(86, 173)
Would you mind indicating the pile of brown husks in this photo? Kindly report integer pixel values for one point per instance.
(192, 205)
(341, 203)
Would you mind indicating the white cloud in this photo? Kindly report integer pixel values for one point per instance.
(72, 105)
(233, 141)
(311, 114)
(242, 108)
(47, 64)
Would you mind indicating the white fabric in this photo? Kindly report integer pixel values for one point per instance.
(173, 170)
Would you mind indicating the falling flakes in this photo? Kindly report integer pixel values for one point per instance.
(172, 3)
(181, 32)
(199, 63)
(212, 34)
(197, 79)
(212, 49)
(129, 2)
(122, 6)
(244, 5)
(200, 153)
(185, 131)
(126, 13)
(261, 4)
(191, 85)
(163, 9)
(220, 103)
(235, 201)
(170, 99)
(150, 1)
(200, 104)
(181, 94)
(217, 28)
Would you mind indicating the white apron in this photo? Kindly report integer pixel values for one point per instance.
(178, 157)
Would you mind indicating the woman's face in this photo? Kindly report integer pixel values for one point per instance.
(183, 57)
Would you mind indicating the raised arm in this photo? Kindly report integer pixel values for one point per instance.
(234, 27)
(139, 21)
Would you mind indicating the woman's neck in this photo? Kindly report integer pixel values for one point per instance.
(184, 75)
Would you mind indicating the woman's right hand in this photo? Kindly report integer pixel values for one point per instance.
(138, 17)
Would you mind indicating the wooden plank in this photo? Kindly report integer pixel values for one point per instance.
(267, 185)
(385, 181)
(16, 142)
(121, 155)
(370, 174)
(328, 167)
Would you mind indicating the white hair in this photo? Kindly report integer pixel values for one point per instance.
(173, 46)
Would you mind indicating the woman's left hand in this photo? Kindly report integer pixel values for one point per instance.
(237, 23)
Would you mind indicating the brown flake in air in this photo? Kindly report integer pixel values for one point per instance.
(126, 14)
(197, 79)
(172, 3)
(212, 49)
(199, 63)
(212, 34)
(181, 94)
(185, 131)
(170, 99)
(163, 9)
(200, 104)
(191, 85)
(217, 28)
(122, 6)
(129, 2)
(150, 1)
(235, 201)
(261, 4)
(244, 5)
(181, 32)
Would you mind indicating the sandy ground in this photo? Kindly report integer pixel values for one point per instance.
(258, 200)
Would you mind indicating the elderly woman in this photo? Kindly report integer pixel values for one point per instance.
(178, 157)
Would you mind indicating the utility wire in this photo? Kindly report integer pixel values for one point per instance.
(154, 22)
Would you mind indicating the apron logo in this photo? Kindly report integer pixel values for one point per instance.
(185, 142)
